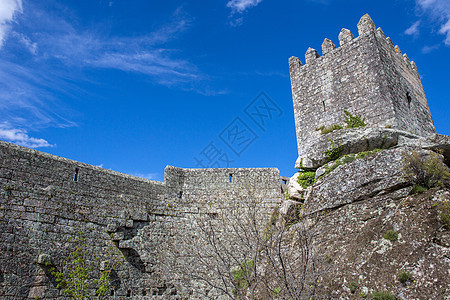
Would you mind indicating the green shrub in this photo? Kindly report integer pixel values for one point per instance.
(306, 179)
(427, 171)
(78, 272)
(241, 275)
(444, 213)
(8, 188)
(418, 189)
(335, 152)
(385, 295)
(353, 121)
(276, 291)
(391, 235)
(286, 195)
(352, 286)
(404, 276)
(324, 130)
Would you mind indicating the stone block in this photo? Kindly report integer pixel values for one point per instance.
(44, 259)
(345, 36)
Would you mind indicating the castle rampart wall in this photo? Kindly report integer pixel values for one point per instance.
(42, 210)
(122, 218)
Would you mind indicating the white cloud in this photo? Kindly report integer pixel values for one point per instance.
(242, 5)
(445, 29)
(140, 54)
(238, 7)
(8, 10)
(413, 29)
(21, 137)
(237, 22)
(439, 12)
(149, 176)
(428, 49)
(29, 45)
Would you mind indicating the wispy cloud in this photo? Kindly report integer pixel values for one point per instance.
(238, 7)
(439, 12)
(21, 137)
(445, 29)
(141, 54)
(428, 49)
(8, 10)
(413, 29)
(34, 88)
(29, 45)
(28, 97)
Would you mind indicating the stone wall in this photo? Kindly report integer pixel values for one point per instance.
(47, 201)
(366, 76)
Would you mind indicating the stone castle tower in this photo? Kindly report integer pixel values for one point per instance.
(366, 76)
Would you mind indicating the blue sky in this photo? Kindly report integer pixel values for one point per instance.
(136, 85)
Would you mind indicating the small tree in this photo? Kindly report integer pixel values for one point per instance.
(244, 253)
(78, 274)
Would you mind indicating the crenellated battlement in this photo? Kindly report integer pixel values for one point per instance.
(366, 75)
(365, 26)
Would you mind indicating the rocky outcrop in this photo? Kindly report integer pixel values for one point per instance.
(361, 261)
(372, 234)
(355, 140)
(377, 174)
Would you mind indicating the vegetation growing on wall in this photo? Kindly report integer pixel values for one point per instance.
(354, 121)
(75, 279)
(306, 179)
(327, 129)
(350, 120)
(334, 152)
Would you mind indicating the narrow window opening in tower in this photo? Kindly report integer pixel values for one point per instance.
(284, 181)
(112, 292)
(408, 97)
(180, 195)
(323, 103)
(75, 175)
(129, 293)
(231, 178)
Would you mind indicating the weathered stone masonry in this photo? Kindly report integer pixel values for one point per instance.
(46, 200)
(366, 76)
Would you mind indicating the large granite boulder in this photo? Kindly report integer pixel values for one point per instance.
(376, 174)
(355, 140)
(295, 190)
